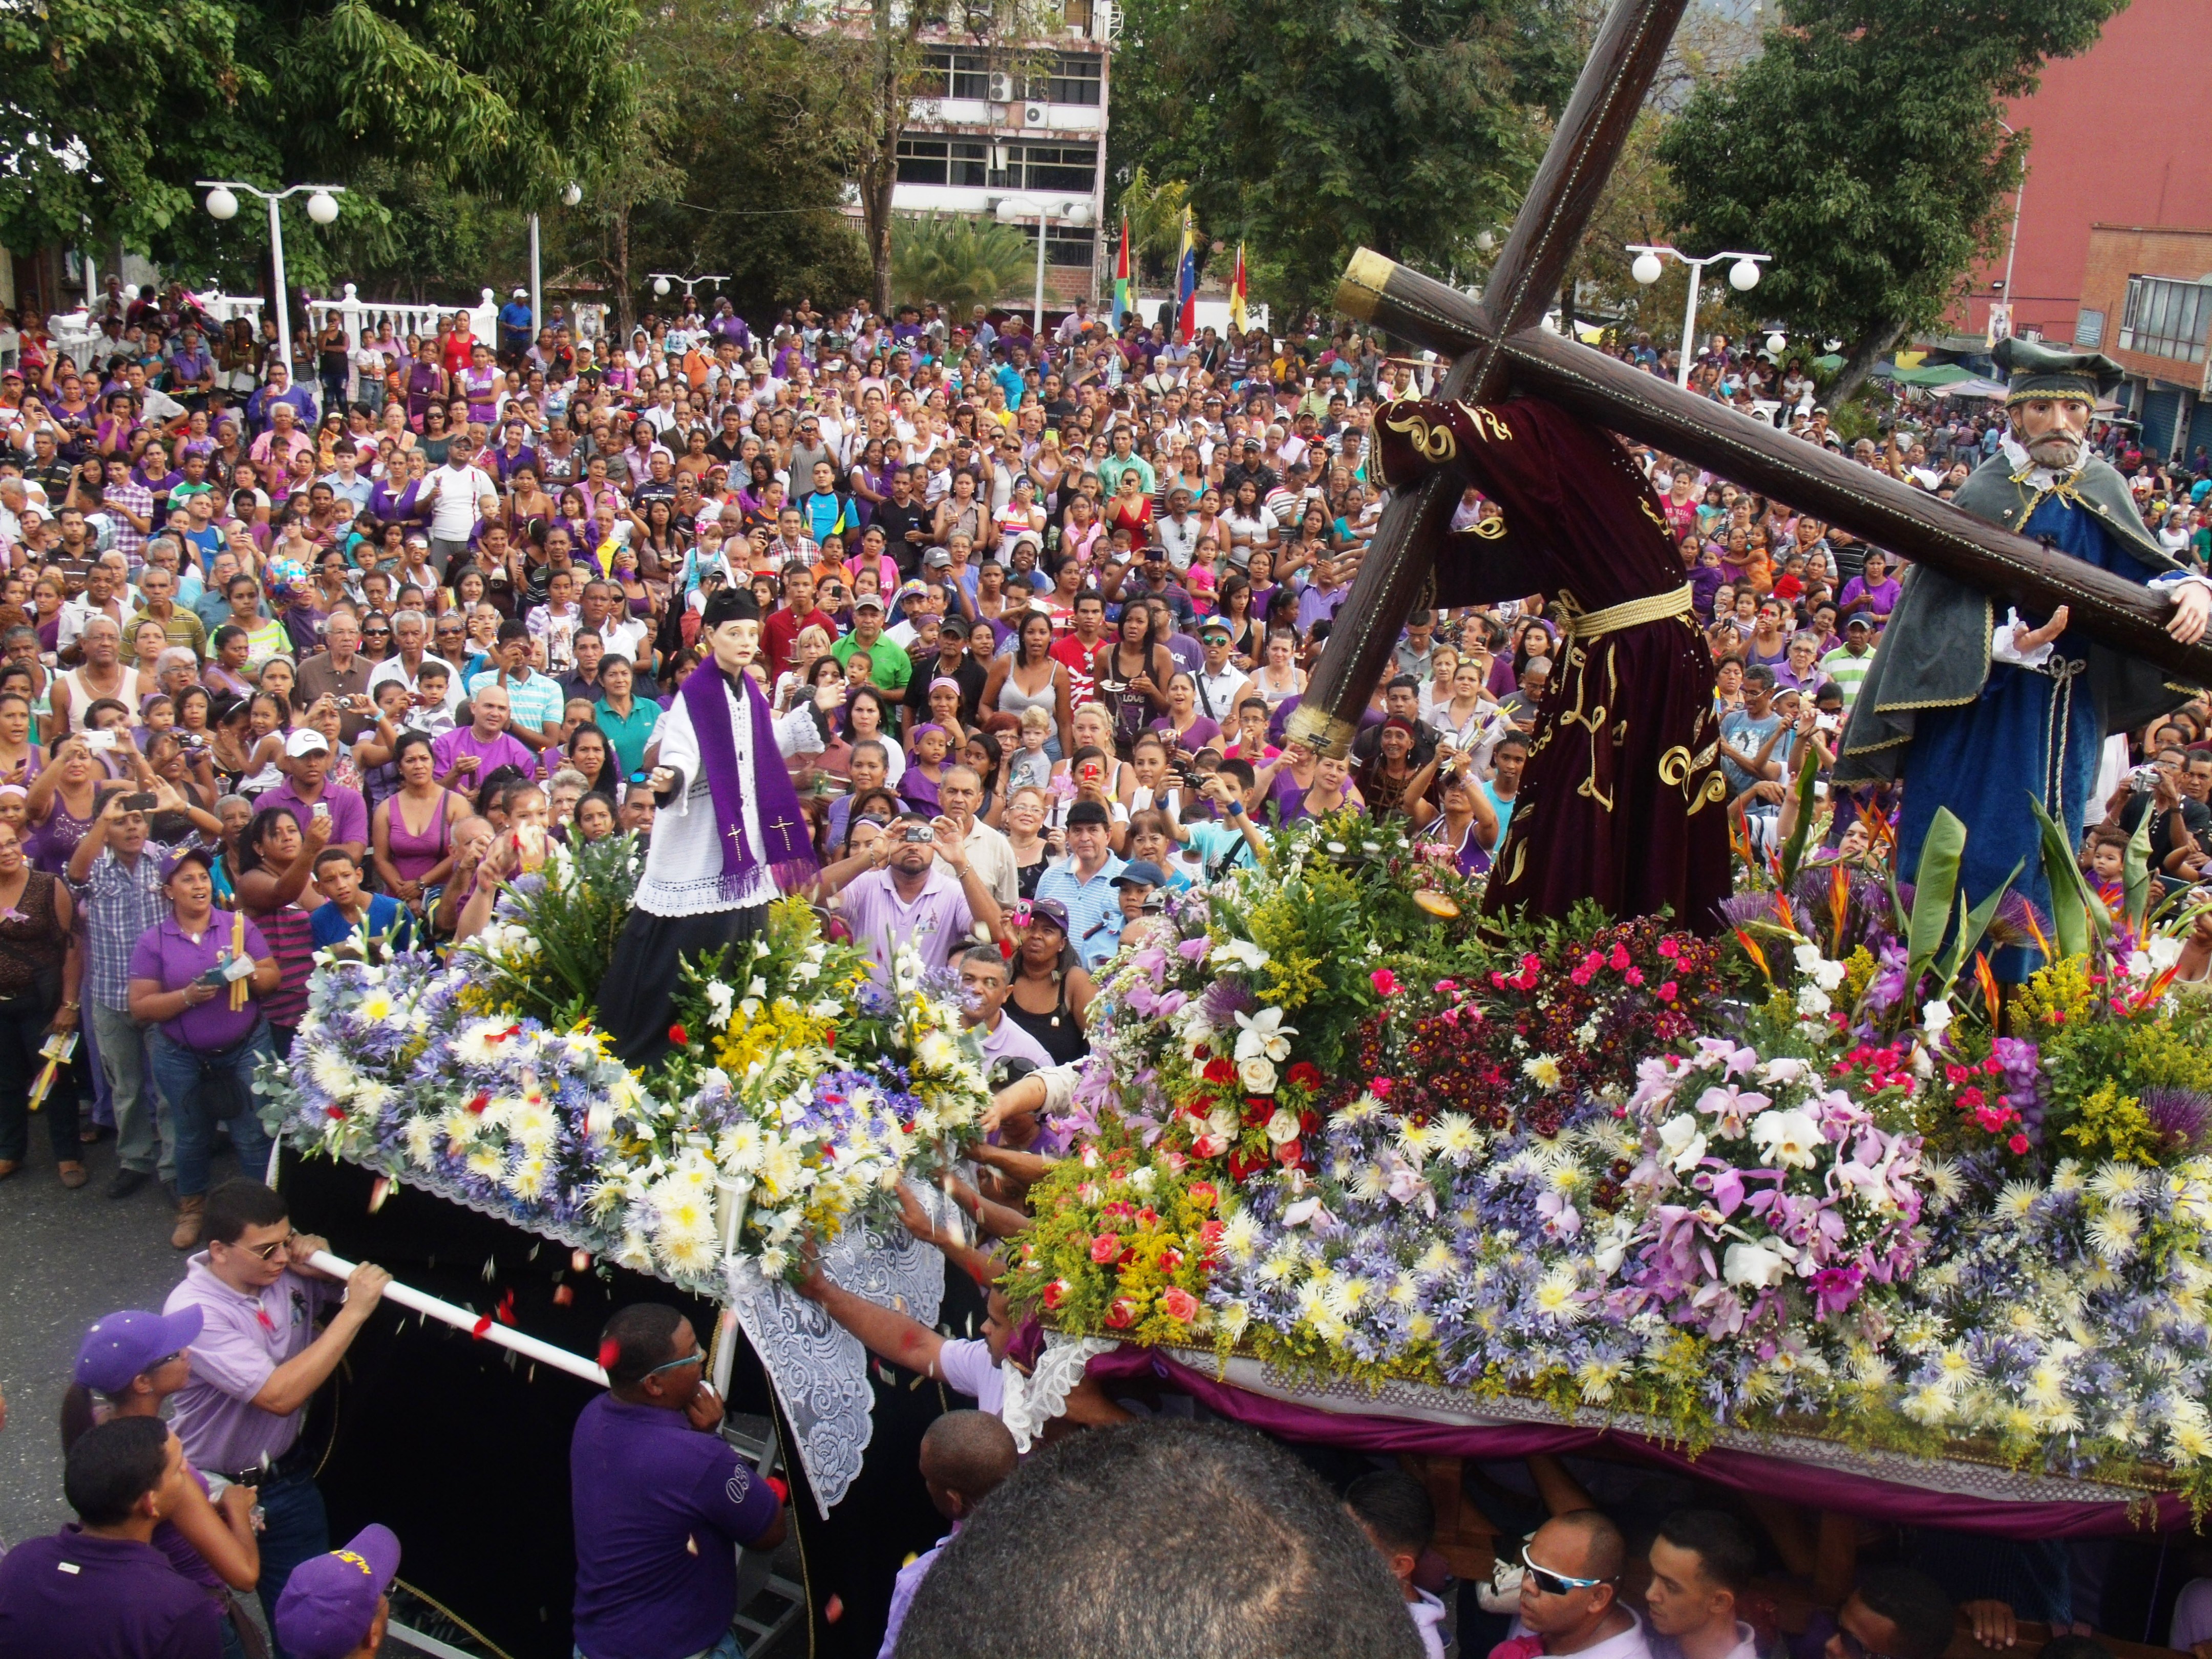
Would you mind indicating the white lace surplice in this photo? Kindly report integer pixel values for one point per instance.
(684, 863)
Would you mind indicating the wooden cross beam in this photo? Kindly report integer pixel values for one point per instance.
(1498, 343)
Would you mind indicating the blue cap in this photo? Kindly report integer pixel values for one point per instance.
(125, 1345)
(331, 1600)
(1142, 872)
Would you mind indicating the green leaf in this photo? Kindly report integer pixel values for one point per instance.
(1975, 923)
(1793, 850)
(2077, 917)
(2136, 866)
(1935, 883)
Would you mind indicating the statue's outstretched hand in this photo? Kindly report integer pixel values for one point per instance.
(2028, 639)
(2192, 608)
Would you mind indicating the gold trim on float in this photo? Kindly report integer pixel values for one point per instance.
(1363, 283)
(1314, 727)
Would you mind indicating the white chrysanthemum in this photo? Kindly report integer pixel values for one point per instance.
(1363, 1107)
(2016, 1200)
(1240, 1235)
(687, 1252)
(1403, 1291)
(332, 1072)
(377, 1007)
(1943, 1180)
(1346, 1294)
(1956, 1371)
(535, 1128)
(488, 1161)
(2120, 1183)
(422, 1137)
(781, 1169)
(2066, 1176)
(1284, 1262)
(1234, 1319)
(1454, 1136)
(1929, 1405)
(1555, 1295)
(482, 1042)
(1437, 1261)
(1369, 1183)
(2112, 1233)
(1596, 1378)
(1543, 1070)
(1867, 1365)
(527, 1181)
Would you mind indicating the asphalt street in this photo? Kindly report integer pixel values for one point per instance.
(65, 1259)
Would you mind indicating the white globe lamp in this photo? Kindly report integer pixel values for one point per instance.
(221, 205)
(1646, 269)
(1775, 343)
(571, 193)
(1743, 276)
(660, 287)
(323, 208)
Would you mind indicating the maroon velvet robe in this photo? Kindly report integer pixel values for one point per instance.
(1623, 800)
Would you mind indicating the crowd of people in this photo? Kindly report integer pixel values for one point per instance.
(281, 670)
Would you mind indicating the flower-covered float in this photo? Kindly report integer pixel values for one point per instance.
(798, 1096)
(1350, 1164)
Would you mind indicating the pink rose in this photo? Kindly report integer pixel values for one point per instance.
(1179, 1305)
(1384, 981)
(1104, 1248)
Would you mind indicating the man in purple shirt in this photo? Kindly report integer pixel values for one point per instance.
(307, 787)
(467, 755)
(1320, 600)
(965, 1455)
(100, 1590)
(894, 895)
(661, 1499)
(259, 1360)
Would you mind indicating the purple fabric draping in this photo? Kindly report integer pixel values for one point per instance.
(1823, 1488)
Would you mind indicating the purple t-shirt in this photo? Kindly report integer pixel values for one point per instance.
(102, 1598)
(168, 953)
(658, 1507)
(502, 750)
(348, 812)
(243, 1339)
(936, 924)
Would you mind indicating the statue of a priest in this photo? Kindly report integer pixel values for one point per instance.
(728, 833)
(1982, 716)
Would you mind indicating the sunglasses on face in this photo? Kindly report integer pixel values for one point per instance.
(264, 1252)
(697, 1359)
(1548, 1582)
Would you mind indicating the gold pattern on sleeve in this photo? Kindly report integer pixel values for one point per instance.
(1433, 443)
(1487, 422)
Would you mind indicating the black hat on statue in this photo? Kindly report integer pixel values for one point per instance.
(726, 604)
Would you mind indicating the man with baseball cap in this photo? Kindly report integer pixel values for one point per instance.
(1084, 883)
(337, 1605)
(310, 794)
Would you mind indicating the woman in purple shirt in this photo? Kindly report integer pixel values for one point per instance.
(1873, 592)
(183, 974)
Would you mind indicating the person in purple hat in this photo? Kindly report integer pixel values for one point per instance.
(335, 1606)
(128, 1365)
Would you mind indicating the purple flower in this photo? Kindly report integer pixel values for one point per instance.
(1194, 950)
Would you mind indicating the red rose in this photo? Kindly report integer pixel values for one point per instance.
(1122, 1314)
(1204, 1194)
(678, 1036)
(1289, 1153)
(1244, 1165)
(1306, 1075)
(337, 1114)
(1219, 1070)
(1055, 1293)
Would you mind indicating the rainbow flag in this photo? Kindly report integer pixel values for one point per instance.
(1236, 293)
(1122, 277)
(1187, 284)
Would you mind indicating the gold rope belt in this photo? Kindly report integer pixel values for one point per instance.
(1658, 607)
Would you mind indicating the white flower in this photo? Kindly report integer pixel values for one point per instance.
(1935, 1017)
(1680, 1143)
(1240, 954)
(1820, 969)
(1812, 1001)
(1284, 1126)
(721, 1000)
(1257, 1074)
(1789, 1138)
(1543, 1071)
(1783, 1071)
(1264, 1035)
(1755, 1265)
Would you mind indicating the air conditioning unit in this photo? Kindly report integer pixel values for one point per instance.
(1002, 89)
(1033, 115)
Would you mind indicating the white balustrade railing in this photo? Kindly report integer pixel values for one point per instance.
(358, 316)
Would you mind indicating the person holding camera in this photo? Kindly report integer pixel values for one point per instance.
(2180, 827)
(894, 894)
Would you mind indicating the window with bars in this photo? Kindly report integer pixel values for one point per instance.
(943, 161)
(2166, 318)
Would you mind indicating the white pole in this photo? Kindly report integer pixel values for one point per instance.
(537, 302)
(1689, 324)
(277, 269)
(464, 1319)
(1037, 316)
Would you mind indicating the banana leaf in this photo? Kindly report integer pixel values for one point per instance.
(1793, 850)
(1934, 884)
(2077, 917)
(2136, 871)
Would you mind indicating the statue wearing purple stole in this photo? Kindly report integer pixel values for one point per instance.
(727, 834)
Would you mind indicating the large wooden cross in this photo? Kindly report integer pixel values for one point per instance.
(1498, 344)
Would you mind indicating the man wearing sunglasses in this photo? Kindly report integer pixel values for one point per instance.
(661, 1501)
(258, 1361)
(1570, 1591)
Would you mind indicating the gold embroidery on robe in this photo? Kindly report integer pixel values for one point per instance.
(1434, 443)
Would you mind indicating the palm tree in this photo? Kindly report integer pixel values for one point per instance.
(959, 262)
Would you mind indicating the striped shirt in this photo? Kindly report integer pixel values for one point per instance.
(121, 902)
(290, 935)
(1846, 670)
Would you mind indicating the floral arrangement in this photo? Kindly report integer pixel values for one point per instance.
(1821, 1175)
(798, 1094)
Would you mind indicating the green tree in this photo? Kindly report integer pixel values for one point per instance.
(957, 261)
(1411, 127)
(1864, 149)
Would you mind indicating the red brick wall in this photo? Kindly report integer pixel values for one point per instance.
(2115, 253)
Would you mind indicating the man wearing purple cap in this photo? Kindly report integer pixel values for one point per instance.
(335, 1606)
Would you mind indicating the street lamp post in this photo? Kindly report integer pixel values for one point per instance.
(1743, 276)
(1013, 209)
(322, 208)
(571, 193)
(663, 279)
